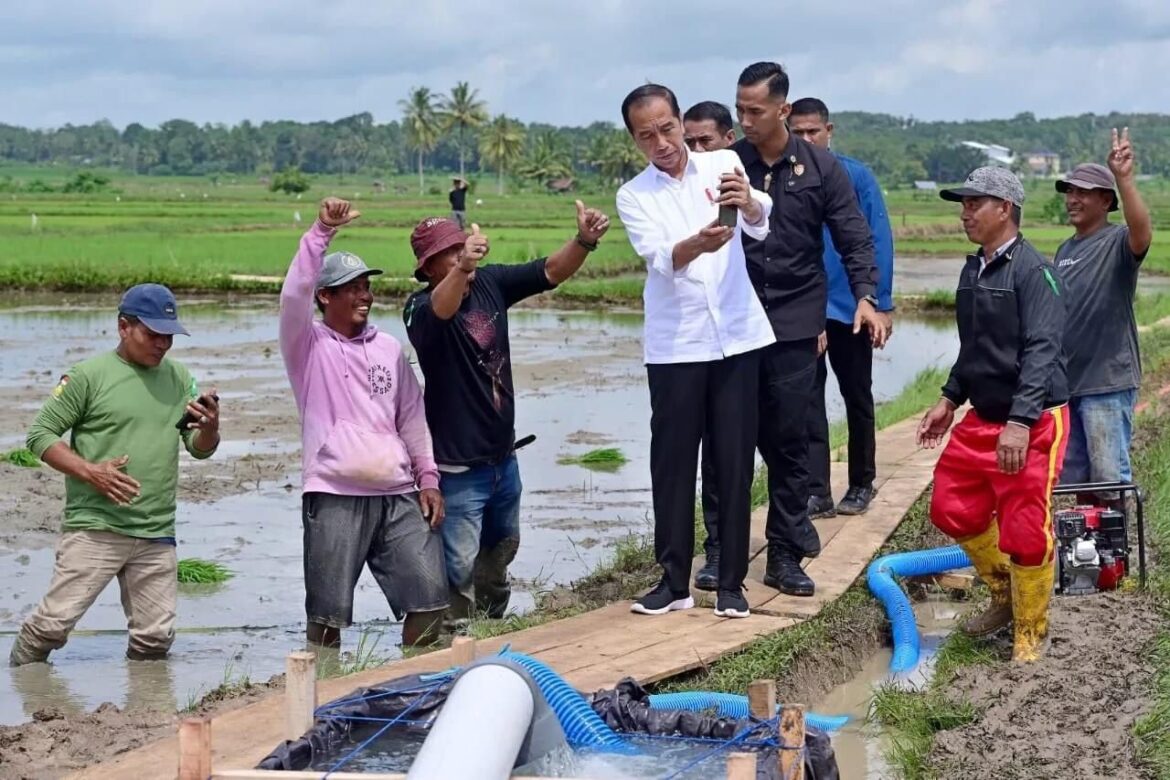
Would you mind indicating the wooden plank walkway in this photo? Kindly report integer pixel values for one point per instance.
(596, 649)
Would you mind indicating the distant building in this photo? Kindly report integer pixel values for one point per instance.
(925, 185)
(995, 154)
(1042, 163)
(561, 185)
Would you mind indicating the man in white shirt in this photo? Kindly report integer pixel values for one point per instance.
(704, 329)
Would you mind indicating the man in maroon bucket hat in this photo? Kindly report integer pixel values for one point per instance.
(458, 326)
(1100, 266)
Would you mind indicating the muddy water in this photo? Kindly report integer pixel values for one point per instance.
(580, 385)
(859, 745)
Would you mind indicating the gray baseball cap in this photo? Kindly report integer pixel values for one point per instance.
(1090, 176)
(342, 267)
(990, 181)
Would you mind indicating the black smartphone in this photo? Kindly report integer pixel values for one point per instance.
(189, 418)
(728, 216)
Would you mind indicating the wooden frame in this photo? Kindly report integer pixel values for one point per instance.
(301, 702)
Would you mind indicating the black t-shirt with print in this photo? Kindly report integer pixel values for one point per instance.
(466, 363)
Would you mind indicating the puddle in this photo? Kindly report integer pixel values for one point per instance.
(917, 275)
(581, 385)
(859, 745)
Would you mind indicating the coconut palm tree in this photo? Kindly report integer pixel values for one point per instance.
(616, 156)
(420, 119)
(548, 158)
(461, 111)
(500, 145)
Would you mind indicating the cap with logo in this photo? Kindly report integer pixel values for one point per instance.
(1090, 176)
(342, 267)
(432, 236)
(155, 307)
(990, 181)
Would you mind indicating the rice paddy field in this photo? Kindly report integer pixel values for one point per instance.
(204, 233)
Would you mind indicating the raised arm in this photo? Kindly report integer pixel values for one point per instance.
(296, 294)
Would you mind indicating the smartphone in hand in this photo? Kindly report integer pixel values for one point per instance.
(728, 216)
(189, 418)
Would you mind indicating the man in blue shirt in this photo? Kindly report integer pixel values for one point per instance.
(851, 354)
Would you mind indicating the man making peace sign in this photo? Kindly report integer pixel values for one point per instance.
(1100, 267)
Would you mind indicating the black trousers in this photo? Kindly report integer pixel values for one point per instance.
(787, 378)
(716, 403)
(851, 356)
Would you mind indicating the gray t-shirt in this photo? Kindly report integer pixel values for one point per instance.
(1100, 275)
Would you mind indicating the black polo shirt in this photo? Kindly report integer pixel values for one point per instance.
(809, 188)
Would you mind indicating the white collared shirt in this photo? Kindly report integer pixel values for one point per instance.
(708, 310)
(983, 261)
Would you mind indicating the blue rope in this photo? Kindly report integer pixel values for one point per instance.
(402, 716)
(427, 688)
(724, 745)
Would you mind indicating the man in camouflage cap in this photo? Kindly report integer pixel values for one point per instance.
(993, 482)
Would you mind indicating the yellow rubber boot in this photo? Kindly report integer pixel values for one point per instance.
(994, 569)
(1031, 593)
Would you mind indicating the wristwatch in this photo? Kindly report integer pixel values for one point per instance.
(871, 300)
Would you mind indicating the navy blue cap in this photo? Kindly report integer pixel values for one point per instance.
(155, 307)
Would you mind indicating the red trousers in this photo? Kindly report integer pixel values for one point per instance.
(970, 491)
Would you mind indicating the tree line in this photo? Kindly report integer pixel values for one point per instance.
(455, 132)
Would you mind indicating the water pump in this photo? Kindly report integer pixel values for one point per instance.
(1092, 549)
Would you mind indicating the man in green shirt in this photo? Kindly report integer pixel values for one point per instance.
(121, 470)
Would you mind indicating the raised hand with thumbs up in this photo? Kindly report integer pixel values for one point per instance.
(475, 248)
(591, 224)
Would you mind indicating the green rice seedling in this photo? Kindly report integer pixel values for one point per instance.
(605, 459)
(196, 571)
(21, 457)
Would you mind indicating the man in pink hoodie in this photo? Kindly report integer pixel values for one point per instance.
(370, 481)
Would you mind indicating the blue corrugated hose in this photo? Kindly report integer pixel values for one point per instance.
(731, 705)
(880, 577)
(582, 726)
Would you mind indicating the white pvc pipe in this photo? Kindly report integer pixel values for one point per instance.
(464, 743)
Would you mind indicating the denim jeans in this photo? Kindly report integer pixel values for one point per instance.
(1100, 428)
(481, 534)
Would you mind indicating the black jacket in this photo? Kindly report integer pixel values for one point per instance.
(810, 190)
(1011, 320)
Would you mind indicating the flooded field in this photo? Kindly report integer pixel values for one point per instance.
(580, 385)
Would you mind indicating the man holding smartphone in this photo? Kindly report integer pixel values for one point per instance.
(121, 469)
(705, 331)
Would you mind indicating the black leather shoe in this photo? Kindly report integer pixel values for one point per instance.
(821, 506)
(856, 501)
(785, 575)
(708, 576)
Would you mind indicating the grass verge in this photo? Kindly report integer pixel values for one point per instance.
(1152, 465)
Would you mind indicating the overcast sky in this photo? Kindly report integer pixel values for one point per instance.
(571, 63)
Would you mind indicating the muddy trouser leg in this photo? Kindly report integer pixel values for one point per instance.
(338, 532)
(1103, 424)
(406, 559)
(499, 541)
(86, 562)
(466, 495)
(150, 591)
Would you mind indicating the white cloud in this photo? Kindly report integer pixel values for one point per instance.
(227, 60)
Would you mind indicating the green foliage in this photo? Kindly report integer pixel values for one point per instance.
(290, 181)
(1054, 211)
(21, 457)
(87, 182)
(196, 571)
(605, 459)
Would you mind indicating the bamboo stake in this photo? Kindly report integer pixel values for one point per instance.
(300, 693)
